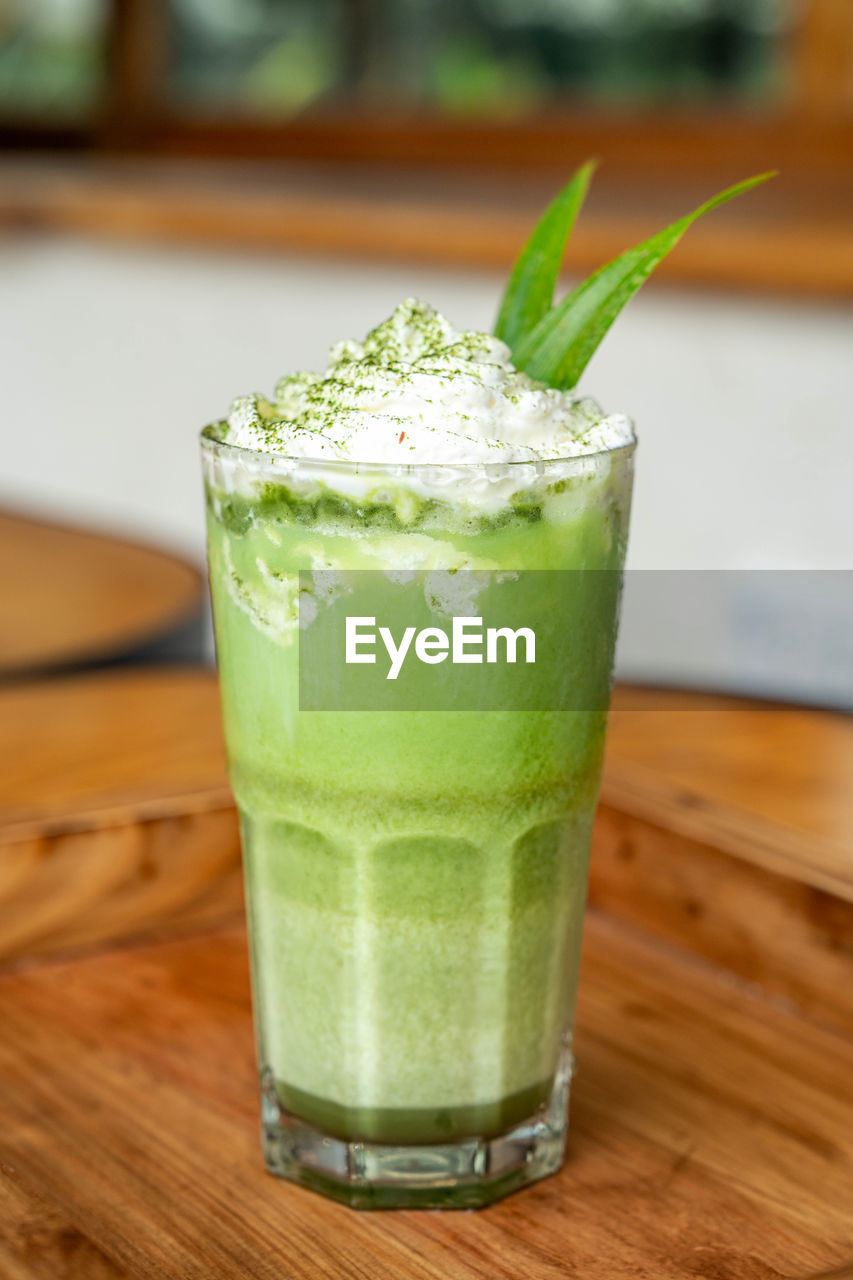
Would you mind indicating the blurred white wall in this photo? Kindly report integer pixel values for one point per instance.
(114, 356)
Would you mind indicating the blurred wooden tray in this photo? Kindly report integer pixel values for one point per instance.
(71, 596)
(115, 815)
(726, 827)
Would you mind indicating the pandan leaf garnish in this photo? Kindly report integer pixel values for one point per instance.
(529, 294)
(558, 346)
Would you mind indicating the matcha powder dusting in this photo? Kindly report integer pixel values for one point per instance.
(416, 390)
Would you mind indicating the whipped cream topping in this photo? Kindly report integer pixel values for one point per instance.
(419, 391)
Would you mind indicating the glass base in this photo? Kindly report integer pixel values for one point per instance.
(465, 1174)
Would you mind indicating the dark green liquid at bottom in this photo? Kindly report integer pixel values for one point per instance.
(405, 1126)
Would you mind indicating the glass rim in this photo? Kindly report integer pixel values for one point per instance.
(336, 466)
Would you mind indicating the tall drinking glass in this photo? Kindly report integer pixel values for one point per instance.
(415, 846)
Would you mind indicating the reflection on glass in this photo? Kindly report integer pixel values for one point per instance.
(504, 58)
(51, 56)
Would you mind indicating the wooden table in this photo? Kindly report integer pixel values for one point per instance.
(71, 596)
(712, 1116)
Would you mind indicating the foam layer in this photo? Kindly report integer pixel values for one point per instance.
(417, 391)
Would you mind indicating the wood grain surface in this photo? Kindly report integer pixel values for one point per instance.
(72, 596)
(711, 1136)
(115, 813)
(767, 782)
(724, 826)
(727, 828)
(712, 1130)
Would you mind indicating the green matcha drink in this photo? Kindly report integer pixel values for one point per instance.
(416, 870)
(416, 879)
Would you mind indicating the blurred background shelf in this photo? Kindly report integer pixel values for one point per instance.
(509, 82)
(794, 240)
(433, 131)
(73, 597)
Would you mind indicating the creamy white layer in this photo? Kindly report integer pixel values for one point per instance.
(419, 392)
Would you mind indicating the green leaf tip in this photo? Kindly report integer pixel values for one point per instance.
(529, 293)
(557, 347)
